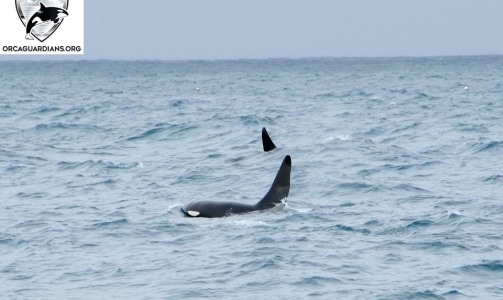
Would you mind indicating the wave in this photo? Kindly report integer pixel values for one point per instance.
(59, 126)
(486, 266)
(350, 229)
(174, 130)
(424, 96)
(147, 134)
(112, 224)
(46, 110)
(472, 128)
(407, 127)
(481, 147)
(426, 294)
(255, 120)
(318, 281)
(420, 223)
(410, 188)
(493, 145)
(101, 164)
(493, 178)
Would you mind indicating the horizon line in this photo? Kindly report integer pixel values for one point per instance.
(46, 58)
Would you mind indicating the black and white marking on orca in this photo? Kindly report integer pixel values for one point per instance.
(216, 209)
(266, 141)
(44, 14)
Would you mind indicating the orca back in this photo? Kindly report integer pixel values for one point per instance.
(214, 209)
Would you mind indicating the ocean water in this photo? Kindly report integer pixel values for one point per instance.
(396, 188)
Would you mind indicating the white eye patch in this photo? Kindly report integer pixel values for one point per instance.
(193, 213)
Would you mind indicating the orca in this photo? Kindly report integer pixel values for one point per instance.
(216, 209)
(266, 141)
(44, 14)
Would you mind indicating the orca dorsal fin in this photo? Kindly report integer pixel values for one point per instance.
(266, 141)
(42, 6)
(280, 187)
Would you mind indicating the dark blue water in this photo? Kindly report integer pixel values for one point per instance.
(396, 189)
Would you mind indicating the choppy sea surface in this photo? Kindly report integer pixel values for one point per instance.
(396, 188)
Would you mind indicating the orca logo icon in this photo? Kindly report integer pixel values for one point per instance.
(41, 17)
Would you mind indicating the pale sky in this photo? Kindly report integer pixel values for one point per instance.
(242, 29)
